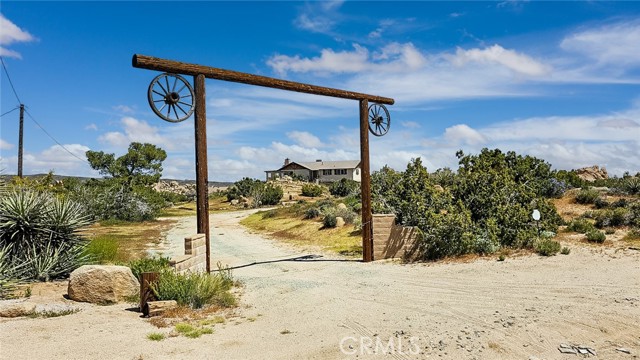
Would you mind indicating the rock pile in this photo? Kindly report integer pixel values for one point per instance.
(176, 188)
(592, 173)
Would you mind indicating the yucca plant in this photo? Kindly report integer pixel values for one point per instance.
(39, 231)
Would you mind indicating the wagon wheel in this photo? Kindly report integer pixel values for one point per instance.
(379, 119)
(171, 97)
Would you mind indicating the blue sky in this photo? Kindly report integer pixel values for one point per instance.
(557, 80)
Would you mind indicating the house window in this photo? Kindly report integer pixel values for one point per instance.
(326, 172)
(340, 172)
(357, 171)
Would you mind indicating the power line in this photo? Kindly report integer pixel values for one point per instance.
(52, 138)
(10, 111)
(10, 82)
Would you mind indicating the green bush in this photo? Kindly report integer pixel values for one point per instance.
(587, 196)
(547, 247)
(312, 213)
(600, 203)
(596, 236)
(565, 251)
(269, 194)
(346, 214)
(195, 289)
(243, 188)
(613, 217)
(39, 234)
(344, 187)
(329, 220)
(153, 264)
(580, 226)
(311, 190)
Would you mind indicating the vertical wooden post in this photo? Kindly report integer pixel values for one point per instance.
(202, 171)
(20, 144)
(146, 295)
(365, 183)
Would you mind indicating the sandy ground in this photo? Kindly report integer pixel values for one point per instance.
(336, 308)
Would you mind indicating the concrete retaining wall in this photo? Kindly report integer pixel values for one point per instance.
(391, 240)
(195, 255)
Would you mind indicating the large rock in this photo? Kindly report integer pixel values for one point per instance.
(592, 173)
(102, 284)
(339, 222)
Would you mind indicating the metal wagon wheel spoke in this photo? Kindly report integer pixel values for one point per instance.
(379, 119)
(165, 100)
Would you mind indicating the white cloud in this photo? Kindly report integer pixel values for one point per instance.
(91, 126)
(55, 158)
(304, 138)
(613, 44)
(319, 17)
(394, 57)
(10, 34)
(4, 145)
(123, 109)
(517, 62)
(463, 134)
(173, 138)
(410, 124)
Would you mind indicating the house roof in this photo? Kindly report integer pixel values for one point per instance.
(323, 165)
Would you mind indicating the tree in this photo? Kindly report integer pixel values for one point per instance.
(141, 165)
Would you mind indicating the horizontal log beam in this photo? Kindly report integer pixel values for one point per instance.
(176, 67)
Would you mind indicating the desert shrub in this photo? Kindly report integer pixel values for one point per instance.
(242, 188)
(570, 178)
(110, 199)
(311, 190)
(587, 196)
(600, 203)
(353, 202)
(267, 194)
(347, 215)
(447, 233)
(312, 213)
(344, 187)
(269, 214)
(609, 231)
(613, 217)
(631, 185)
(580, 226)
(547, 247)
(556, 188)
(565, 251)
(152, 264)
(619, 203)
(39, 232)
(596, 236)
(195, 289)
(329, 220)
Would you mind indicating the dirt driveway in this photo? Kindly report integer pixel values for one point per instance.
(329, 308)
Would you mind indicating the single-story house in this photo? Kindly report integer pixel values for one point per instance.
(320, 171)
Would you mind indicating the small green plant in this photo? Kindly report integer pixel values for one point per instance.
(547, 247)
(311, 190)
(191, 331)
(156, 336)
(153, 264)
(53, 313)
(565, 251)
(269, 214)
(609, 231)
(587, 196)
(501, 257)
(596, 236)
(102, 250)
(631, 185)
(27, 292)
(195, 289)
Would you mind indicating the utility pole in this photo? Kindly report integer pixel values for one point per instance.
(20, 140)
